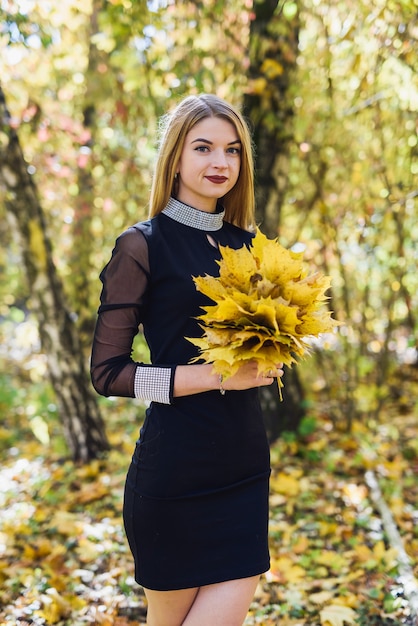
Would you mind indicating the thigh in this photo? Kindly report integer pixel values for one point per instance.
(223, 604)
(169, 608)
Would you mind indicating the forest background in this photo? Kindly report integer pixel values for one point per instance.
(331, 92)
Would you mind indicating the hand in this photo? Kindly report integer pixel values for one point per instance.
(276, 372)
(248, 376)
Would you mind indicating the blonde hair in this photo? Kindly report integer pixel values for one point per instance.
(239, 202)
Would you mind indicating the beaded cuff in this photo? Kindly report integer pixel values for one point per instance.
(153, 384)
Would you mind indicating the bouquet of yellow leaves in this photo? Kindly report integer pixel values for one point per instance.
(265, 308)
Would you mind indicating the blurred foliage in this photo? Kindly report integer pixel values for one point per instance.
(64, 559)
(353, 196)
(86, 83)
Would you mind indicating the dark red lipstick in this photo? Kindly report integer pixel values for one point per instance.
(217, 179)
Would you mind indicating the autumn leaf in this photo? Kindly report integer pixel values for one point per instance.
(92, 491)
(285, 570)
(321, 597)
(285, 484)
(265, 307)
(66, 523)
(66, 562)
(378, 556)
(271, 68)
(54, 606)
(332, 560)
(336, 615)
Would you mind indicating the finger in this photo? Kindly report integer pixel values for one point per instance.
(275, 373)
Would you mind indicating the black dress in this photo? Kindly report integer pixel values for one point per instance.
(196, 496)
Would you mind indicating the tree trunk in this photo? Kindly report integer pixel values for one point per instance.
(84, 208)
(273, 50)
(82, 423)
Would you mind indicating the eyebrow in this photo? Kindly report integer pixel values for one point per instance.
(211, 142)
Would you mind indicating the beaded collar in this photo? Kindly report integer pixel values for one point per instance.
(189, 216)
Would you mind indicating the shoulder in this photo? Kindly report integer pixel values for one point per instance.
(138, 234)
(134, 242)
(136, 231)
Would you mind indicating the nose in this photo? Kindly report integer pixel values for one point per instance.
(219, 158)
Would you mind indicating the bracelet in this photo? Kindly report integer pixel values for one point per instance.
(221, 389)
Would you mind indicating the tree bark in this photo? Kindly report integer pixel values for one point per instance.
(78, 410)
(268, 104)
(84, 207)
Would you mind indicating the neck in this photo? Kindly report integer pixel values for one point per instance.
(208, 205)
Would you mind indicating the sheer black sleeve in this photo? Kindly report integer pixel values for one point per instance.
(125, 280)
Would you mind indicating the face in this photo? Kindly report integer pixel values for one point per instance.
(209, 164)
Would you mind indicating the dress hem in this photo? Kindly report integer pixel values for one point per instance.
(257, 571)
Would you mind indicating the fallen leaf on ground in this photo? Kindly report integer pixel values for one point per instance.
(336, 615)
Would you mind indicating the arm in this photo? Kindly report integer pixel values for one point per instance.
(113, 371)
(190, 379)
(125, 280)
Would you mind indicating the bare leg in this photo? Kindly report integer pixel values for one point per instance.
(221, 604)
(169, 608)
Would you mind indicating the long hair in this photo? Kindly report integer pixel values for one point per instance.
(239, 202)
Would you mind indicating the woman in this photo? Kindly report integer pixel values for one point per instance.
(196, 496)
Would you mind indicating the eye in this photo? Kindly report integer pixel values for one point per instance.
(201, 148)
(234, 150)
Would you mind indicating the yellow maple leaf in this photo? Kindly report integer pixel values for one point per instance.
(54, 606)
(332, 560)
(246, 335)
(386, 556)
(315, 324)
(272, 68)
(285, 484)
(283, 568)
(218, 336)
(336, 615)
(237, 268)
(38, 549)
(287, 317)
(309, 289)
(66, 523)
(301, 545)
(321, 597)
(210, 283)
(265, 306)
(277, 263)
(363, 553)
(226, 309)
(264, 315)
(257, 85)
